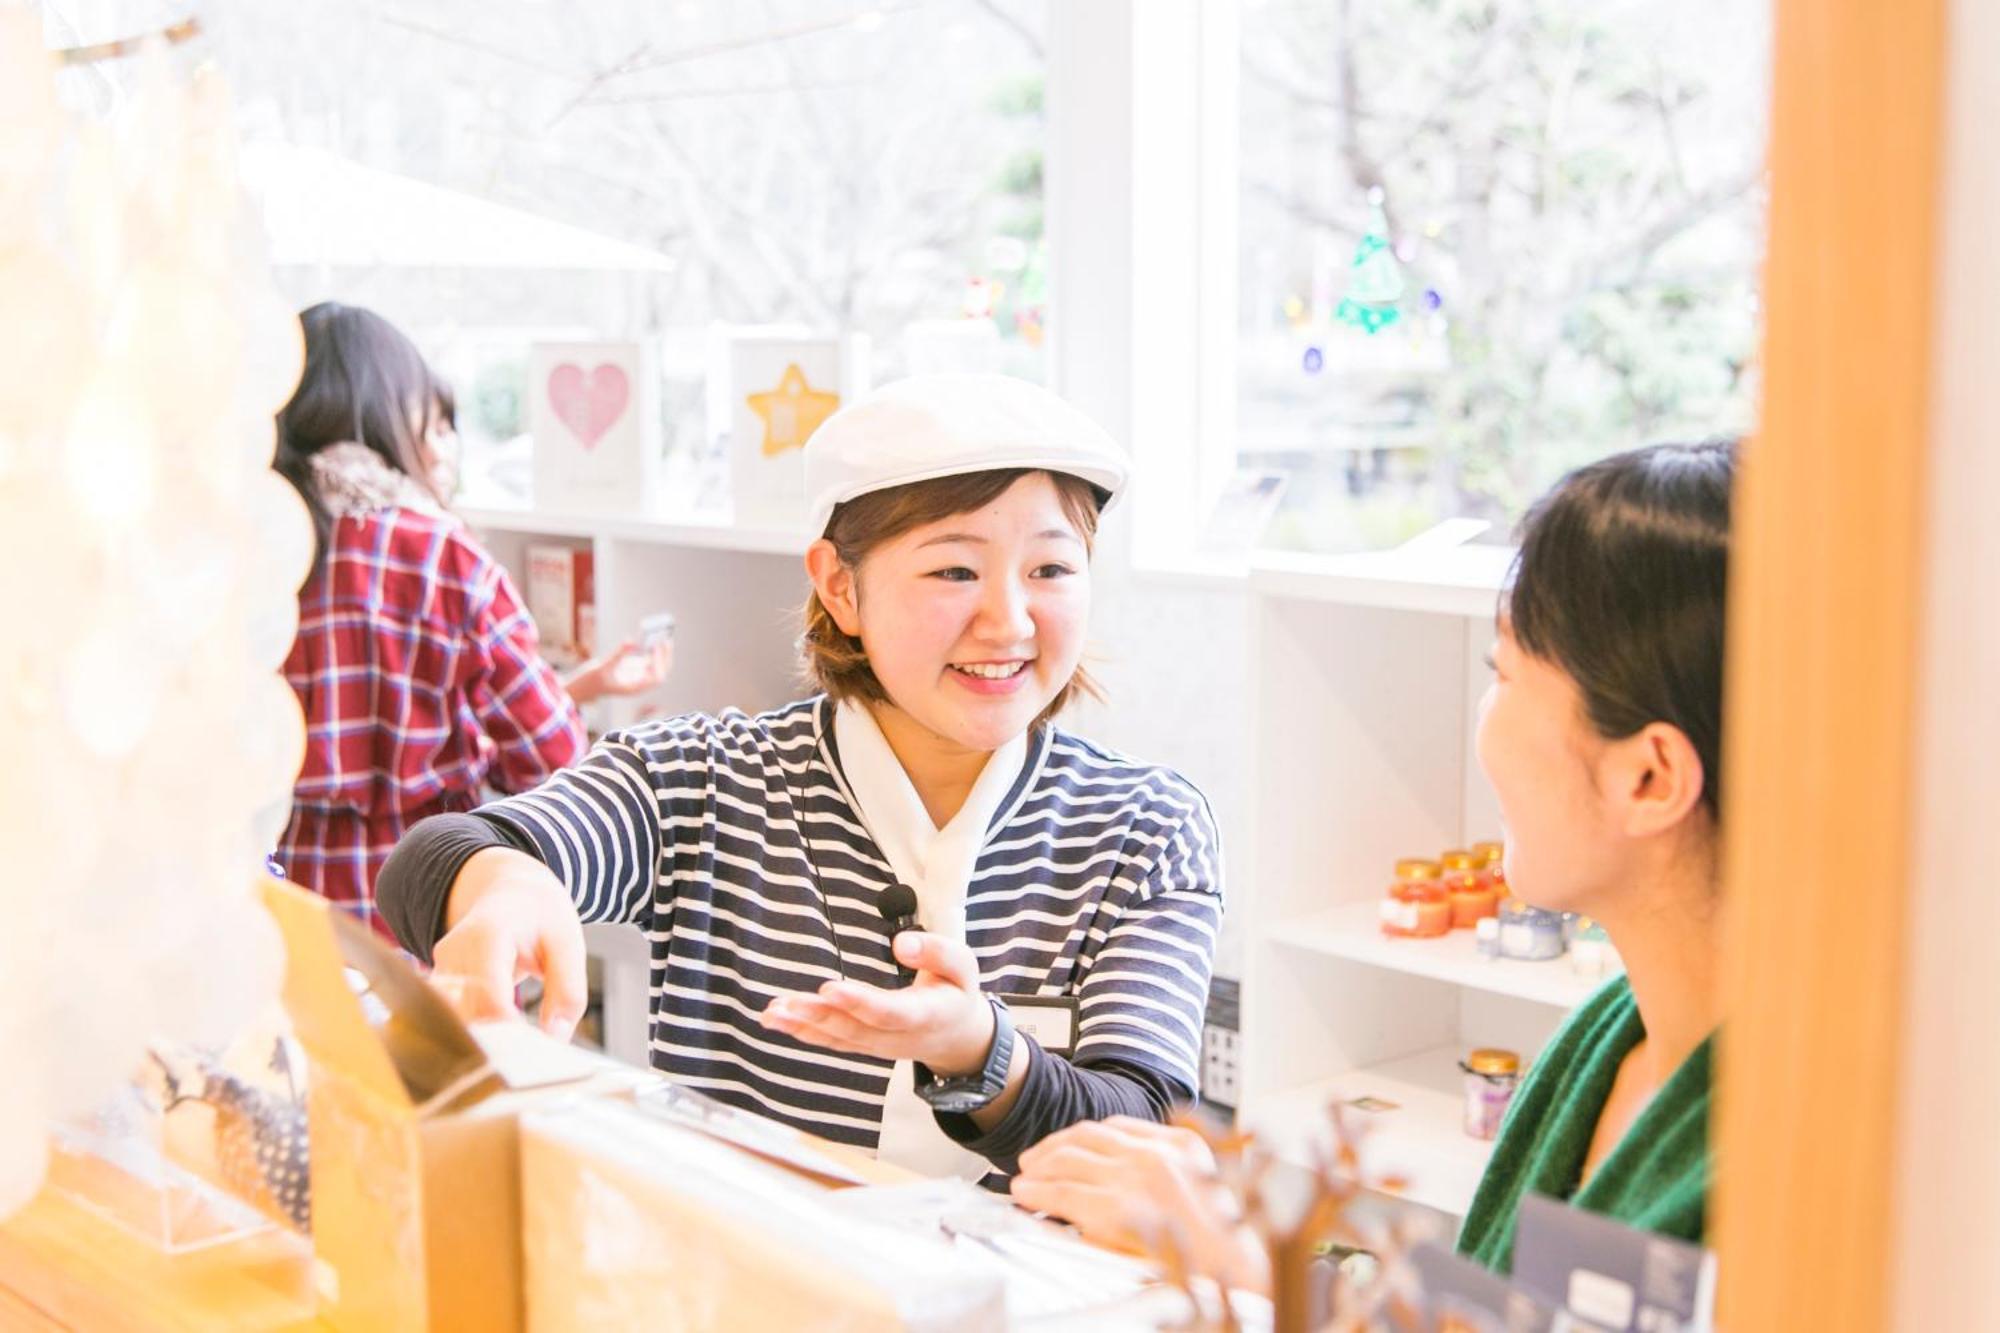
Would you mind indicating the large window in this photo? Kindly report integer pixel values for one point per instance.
(1483, 241)
(830, 164)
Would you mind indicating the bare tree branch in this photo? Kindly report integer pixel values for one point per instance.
(1634, 250)
(467, 43)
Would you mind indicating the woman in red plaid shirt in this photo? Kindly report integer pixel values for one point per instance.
(416, 664)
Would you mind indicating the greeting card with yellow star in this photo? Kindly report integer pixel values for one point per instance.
(792, 411)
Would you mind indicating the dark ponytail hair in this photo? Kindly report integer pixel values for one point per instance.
(363, 380)
(1621, 581)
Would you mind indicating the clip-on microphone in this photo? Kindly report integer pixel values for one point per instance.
(899, 909)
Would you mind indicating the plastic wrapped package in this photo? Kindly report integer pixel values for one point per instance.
(198, 1134)
(632, 1222)
(115, 1164)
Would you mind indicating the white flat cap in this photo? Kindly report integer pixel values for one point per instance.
(931, 426)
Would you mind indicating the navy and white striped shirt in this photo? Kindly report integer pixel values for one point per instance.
(1099, 879)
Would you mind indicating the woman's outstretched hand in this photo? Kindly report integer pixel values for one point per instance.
(626, 669)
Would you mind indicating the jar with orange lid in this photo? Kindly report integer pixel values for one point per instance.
(1417, 906)
(1490, 1079)
(1457, 862)
(1492, 869)
(1472, 898)
(1413, 868)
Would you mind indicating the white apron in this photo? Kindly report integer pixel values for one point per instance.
(937, 865)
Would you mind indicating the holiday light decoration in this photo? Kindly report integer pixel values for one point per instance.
(149, 568)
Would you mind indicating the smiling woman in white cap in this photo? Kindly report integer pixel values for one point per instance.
(1052, 905)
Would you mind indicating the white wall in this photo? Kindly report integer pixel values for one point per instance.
(1948, 1230)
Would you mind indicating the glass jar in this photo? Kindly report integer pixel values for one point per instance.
(1590, 950)
(1472, 899)
(1413, 868)
(1416, 910)
(1458, 862)
(1492, 868)
(1529, 933)
(1486, 937)
(1491, 1076)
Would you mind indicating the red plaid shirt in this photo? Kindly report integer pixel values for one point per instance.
(420, 678)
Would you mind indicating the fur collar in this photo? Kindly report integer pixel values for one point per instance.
(351, 478)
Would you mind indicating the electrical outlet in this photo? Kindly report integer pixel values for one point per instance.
(1222, 1047)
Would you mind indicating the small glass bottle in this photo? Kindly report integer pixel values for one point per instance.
(1491, 1076)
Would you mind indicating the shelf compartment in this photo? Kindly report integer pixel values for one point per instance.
(1421, 1139)
(1352, 931)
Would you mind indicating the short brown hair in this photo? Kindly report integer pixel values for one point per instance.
(835, 661)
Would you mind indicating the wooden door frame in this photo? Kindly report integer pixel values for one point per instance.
(1824, 663)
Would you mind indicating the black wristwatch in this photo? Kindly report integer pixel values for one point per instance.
(962, 1094)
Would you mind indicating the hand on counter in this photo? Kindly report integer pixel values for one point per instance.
(509, 918)
(1138, 1186)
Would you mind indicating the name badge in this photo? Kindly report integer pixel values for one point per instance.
(1049, 1019)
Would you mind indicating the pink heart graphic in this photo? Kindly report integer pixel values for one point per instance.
(589, 405)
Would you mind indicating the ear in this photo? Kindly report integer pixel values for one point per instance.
(834, 582)
(1657, 778)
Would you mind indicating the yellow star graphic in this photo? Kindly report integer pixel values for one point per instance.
(792, 411)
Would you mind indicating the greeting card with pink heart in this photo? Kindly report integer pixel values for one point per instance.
(589, 402)
(594, 413)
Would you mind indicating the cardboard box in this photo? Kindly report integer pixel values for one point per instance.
(637, 1222)
(415, 1130)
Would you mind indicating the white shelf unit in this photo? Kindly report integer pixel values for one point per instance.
(680, 529)
(735, 595)
(1448, 580)
(1352, 932)
(1364, 702)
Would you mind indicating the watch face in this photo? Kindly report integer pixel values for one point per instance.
(959, 1101)
(966, 1093)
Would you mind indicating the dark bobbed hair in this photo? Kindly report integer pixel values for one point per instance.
(1621, 581)
(363, 381)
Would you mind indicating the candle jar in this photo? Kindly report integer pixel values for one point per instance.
(1413, 868)
(1492, 869)
(1491, 1076)
(1471, 899)
(1416, 910)
(1529, 933)
(1417, 906)
(1486, 936)
(1590, 950)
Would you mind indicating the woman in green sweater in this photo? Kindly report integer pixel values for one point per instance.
(1602, 737)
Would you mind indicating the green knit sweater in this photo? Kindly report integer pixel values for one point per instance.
(1657, 1176)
